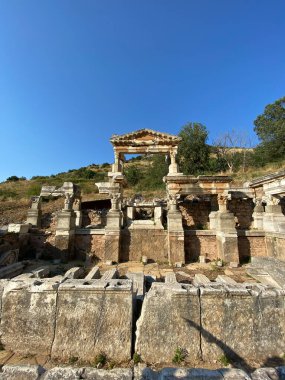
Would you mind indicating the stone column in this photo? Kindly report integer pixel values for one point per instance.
(176, 252)
(227, 240)
(173, 167)
(273, 218)
(157, 216)
(35, 213)
(65, 230)
(113, 230)
(78, 212)
(116, 167)
(257, 214)
(213, 213)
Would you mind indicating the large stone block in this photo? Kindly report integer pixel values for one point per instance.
(94, 317)
(170, 319)
(28, 316)
(242, 323)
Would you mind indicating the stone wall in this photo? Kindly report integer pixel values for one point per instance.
(275, 245)
(195, 214)
(198, 243)
(242, 210)
(251, 244)
(90, 246)
(138, 243)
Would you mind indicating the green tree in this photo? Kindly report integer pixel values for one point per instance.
(270, 129)
(193, 151)
(13, 178)
(133, 175)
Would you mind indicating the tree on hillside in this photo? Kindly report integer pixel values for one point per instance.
(270, 128)
(193, 151)
(231, 150)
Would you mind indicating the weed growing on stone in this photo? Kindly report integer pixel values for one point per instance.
(179, 355)
(100, 360)
(73, 360)
(136, 358)
(224, 360)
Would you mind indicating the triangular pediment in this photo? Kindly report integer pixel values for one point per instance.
(144, 136)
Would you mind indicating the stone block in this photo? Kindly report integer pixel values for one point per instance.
(176, 247)
(112, 246)
(169, 319)
(28, 316)
(93, 274)
(225, 280)
(110, 274)
(227, 244)
(265, 374)
(21, 372)
(73, 273)
(200, 280)
(41, 272)
(19, 228)
(93, 317)
(34, 218)
(170, 278)
(12, 270)
(113, 374)
(138, 284)
(63, 373)
(242, 323)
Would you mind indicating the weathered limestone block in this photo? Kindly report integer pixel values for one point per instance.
(242, 322)
(21, 372)
(227, 244)
(19, 228)
(34, 217)
(265, 374)
(176, 247)
(200, 279)
(112, 246)
(63, 373)
(12, 270)
(110, 274)
(138, 284)
(94, 317)
(28, 316)
(73, 273)
(93, 274)
(168, 320)
(114, 374)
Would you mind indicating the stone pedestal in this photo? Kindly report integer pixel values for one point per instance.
(112, 236)
(213, 220)
(176, 251)
(273, 219)
(64, 236)
(227, 240)
(257, 216)
(34, 217)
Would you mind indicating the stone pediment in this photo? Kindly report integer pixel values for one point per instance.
(145, 137)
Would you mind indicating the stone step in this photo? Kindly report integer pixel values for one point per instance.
(170, 278)
(12, 270)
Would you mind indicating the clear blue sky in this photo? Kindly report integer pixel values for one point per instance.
(72, 73)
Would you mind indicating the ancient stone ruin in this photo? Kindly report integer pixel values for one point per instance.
(76, 315)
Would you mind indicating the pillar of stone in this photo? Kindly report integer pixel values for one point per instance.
(65, 230)
(257, 214)
(157, 216)
(176, 252)
(173, 167)
(130, 214)
(35, 213)
(78, 212)
(273, 218)
(226, 235)
(213, 213)
(113, 231)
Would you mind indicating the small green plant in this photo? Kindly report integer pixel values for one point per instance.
(224, 360)
(179, 355)
(73, 360)
(100, 360)
(136, 358)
